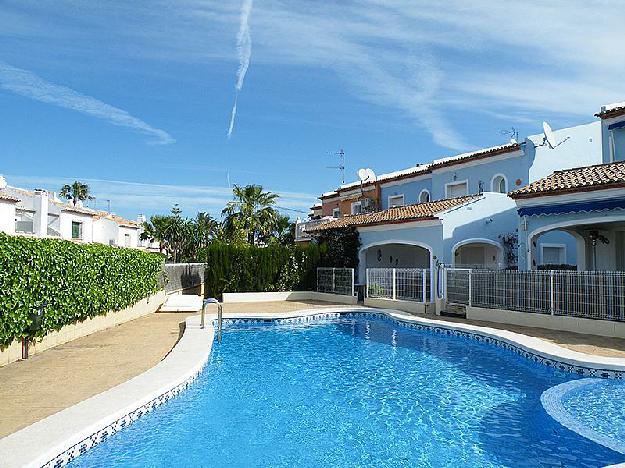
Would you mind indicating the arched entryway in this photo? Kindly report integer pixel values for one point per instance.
(478, 253)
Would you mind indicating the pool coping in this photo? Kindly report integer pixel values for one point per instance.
(67, 434)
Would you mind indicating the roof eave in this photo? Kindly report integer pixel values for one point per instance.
(547, 193)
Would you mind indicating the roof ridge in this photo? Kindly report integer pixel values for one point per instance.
(577, 168)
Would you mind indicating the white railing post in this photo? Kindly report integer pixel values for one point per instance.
(366, 282)
(470, 287)
(352, 282)
(333, 281)
(551, 294)
(394, 284)
(424, 284)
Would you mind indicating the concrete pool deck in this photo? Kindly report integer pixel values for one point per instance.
(63, 376)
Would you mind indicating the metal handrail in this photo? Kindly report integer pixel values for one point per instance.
(220, 314)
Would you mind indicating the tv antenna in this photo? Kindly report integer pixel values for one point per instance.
(512, 132)
(341, 166)
(549, 137)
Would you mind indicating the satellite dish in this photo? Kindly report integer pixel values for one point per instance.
(362, 175)
(550, 137)
(3, 183)
(370, 175)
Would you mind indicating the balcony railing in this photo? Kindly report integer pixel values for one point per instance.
(301, 228)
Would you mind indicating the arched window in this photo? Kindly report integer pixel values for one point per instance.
(424, 196)
(500, 185)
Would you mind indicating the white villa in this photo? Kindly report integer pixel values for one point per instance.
(532, 204)
(38, 213)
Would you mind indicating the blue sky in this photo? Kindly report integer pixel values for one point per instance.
(135, 98)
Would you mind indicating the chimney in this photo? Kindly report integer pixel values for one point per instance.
(40, 219)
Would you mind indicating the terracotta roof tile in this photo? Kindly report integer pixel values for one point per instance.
(579, 179)
(475, 155)
(611, 110)
(402, 214)
(7, 197)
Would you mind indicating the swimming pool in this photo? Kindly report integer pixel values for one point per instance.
(355, 391)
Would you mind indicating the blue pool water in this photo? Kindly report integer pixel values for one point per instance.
(354, 392)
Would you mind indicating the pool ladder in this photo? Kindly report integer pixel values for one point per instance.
(220, 315)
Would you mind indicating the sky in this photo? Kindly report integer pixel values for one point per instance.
(158, 102)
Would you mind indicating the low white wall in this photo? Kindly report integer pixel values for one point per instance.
(551, 322)
(406, 306)
(91, 325)
(288, 296)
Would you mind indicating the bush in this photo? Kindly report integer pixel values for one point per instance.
(342, 247)
(76, 281)
(243, 268)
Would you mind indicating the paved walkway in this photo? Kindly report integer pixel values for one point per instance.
(63, 376)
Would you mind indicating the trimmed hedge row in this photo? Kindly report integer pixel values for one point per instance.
(76, 281)
(236, 268)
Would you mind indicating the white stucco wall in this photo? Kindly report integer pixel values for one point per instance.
(66, 225)
(7, 216)
(583, 148)
(105, 231)
(134, 237)
(486, 219)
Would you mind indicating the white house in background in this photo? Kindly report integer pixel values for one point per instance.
(38, 213)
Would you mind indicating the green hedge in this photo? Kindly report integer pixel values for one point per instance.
(76, 281)
(236, 268)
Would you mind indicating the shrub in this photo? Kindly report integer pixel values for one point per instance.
(342, 246)
(244, 268)
(76, 281)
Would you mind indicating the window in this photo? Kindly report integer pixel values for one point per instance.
(336, 213)
(457, 189)
(356, 208)
(499, 184)
(76, 230)
(395, 201)
(127, 240)
(24, 221)
(424, 196)
(617, 143)
(553, 254)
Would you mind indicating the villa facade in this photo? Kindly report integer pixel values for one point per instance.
(37, 213)
(479, 209)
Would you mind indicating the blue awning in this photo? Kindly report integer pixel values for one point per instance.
(574, 207)
(617, 125)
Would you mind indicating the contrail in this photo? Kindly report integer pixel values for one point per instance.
(244, 48)
(234, 113)
(28, 84)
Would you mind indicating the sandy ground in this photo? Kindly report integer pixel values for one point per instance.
(65, 375)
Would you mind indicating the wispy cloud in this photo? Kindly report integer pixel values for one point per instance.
(244, 50)
(488, 56)
(131, 198)
(28, 84)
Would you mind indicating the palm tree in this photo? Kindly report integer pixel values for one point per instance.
(205, 229)
(251, 211)
(76, 192)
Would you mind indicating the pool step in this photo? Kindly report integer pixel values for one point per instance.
(182, 303)
(455, 310)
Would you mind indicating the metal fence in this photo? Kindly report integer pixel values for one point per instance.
(406, 284)
(586, 294)
(336, 281)
(183, 275)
